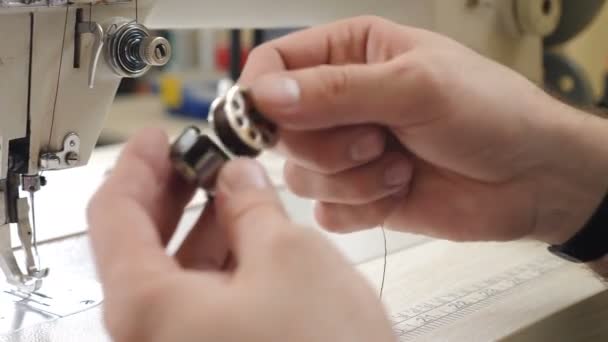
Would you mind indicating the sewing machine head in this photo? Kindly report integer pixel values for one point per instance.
(60, 67)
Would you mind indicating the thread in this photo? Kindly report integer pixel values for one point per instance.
(65, 28)
(383, 229)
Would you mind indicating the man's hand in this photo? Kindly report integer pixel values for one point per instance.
(281, 282)
(389, 124)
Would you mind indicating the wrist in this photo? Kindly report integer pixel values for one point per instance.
(576, 179)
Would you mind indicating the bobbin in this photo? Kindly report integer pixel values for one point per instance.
(240, 127)
(241, 132)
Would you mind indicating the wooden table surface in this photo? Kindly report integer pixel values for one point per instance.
(585, 321)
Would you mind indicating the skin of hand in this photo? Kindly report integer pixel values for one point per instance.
(387, 124)
(601, 268)
(282, 283)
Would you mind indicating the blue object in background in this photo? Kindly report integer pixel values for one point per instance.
(195, 100)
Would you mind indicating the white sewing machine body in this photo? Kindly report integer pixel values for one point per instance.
(54, 98)
(59, 78)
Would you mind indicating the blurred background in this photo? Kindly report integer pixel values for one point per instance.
(207, 61)
(180, 94)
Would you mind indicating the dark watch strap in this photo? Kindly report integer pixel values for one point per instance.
(591, 242)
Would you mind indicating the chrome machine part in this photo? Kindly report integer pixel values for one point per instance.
(241, 130)
(66, 158)
(33, 184)
(70, 293)
(198, 158)
(132, 50)
(96, 30)
(16, 211)
(155, 51)
(239, 126)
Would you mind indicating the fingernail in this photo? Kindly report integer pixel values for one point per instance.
(398, 174)
(241, 175)
(367, 148)
(278, 90)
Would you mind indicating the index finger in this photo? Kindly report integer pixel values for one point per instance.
(350, 41)
(123, 218)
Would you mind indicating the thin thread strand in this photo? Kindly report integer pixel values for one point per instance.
(65, 28)
(385, 261)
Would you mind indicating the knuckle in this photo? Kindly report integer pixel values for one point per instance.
(248, 206)
(349, 190)
(429, 78)
(291, 241)
(325, 164)
(329, 220)
(370, 19)
(336, 81)
(306, 152)
(425, 73)
(295, 181)
(259, 51)
(252, 206)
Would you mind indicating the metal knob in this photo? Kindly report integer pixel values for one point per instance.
(155, 51)
(132, 50)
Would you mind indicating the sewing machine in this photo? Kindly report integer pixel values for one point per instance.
(61, 62)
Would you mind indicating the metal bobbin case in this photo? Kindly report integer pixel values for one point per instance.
(240, 129)
(132, 50)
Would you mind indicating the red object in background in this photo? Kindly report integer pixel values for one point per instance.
(222, 57)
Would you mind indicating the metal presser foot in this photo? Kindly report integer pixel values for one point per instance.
(17, 211)
(238, 130)
(30, 296)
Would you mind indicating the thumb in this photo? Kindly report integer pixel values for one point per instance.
(328, 96)
(248, 207)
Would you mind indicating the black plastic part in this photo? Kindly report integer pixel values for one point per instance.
(604, 101)
(200, 148)
(558, 67)
(576, 15)
(19, 151)
(259, 120)
(12, 196)
(236, 54)
(258, 37)
(230, 138)
(77, 39)
(591, 242)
